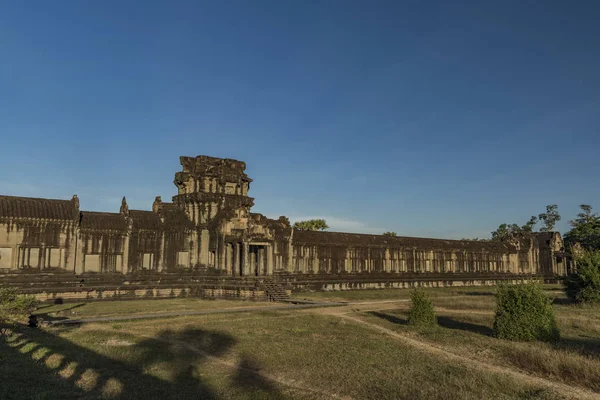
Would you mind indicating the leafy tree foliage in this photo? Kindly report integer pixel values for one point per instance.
(311, 225)
(514, 232)
(393, 234)
(524, 312)
(421, 311)
(13, 304)
(583, 285)
(585, 230)
(549, 218)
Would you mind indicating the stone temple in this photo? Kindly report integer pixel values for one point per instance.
(208, 228)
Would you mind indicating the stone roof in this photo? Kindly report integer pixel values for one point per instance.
(103, 221)
(146, 220)
(175, 217)
(316, 238)
(30, 207)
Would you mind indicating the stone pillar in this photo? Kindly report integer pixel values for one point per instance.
(513, 261)
(245, 261)
(270, 249)
(237, 261)
(162, 260)
(229, 258)
(69, 251)
(347, 262)
(222, 254)
(290, 259)
(194, 248)
(125, 266)
(203, 247)
(388, 261)
(261, 261)
(79, 256)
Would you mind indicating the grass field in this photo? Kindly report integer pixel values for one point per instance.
(134, 307)
(358, 351)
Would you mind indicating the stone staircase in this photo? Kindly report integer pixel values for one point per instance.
(274, 291)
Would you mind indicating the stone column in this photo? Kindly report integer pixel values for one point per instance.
(125, 266)
(162, 257)
(194, 248)
(204, 239)
(229, 258)
(222, 254)
(261, 261)
(237, 260)
(245, 260)
(270, 249)
(69, 251)
(513, 261)
(388, 261)
(78, 255)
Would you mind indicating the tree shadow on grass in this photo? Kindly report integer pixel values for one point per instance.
(39, 363)
(248, 380)
(391, 318)
(587, 346)
(452, 323)
(475, 293)
(562, 301)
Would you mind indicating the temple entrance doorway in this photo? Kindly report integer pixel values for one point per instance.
(256, 260)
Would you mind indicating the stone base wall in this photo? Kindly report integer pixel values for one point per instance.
(311, 282)
(53, 287)
(150, 293)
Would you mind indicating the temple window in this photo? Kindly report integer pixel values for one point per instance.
(230, 188)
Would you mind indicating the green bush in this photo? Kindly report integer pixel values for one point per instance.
(524, 312)
(7, 295)
(13, 303)
(421, 312)
(583, 285)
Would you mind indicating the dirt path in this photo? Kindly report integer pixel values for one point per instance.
(571, 392)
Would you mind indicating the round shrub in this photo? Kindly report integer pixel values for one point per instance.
(524, 312)
(421, 312)
(583, 285)
(11, 302)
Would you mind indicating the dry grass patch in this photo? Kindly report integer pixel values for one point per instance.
(133, 307)
(574, 360)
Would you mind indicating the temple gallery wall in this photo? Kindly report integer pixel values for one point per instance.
(208, 226)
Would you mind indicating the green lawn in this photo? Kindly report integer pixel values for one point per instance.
(299, 354)
(389, 294)
(132, 307)
(465, 327)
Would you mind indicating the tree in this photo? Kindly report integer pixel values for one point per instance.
(584, 217)
(528, 227)
(421, 312)
(585, 230)
(549, 218)
(311, 225)
(524, 312)
(514, 232)
(392, 234)
(583, 286)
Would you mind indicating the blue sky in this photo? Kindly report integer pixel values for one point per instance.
(438, 119)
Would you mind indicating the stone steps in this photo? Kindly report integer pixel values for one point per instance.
(274, 291)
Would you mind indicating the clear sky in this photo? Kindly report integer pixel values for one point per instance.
(438, 119)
